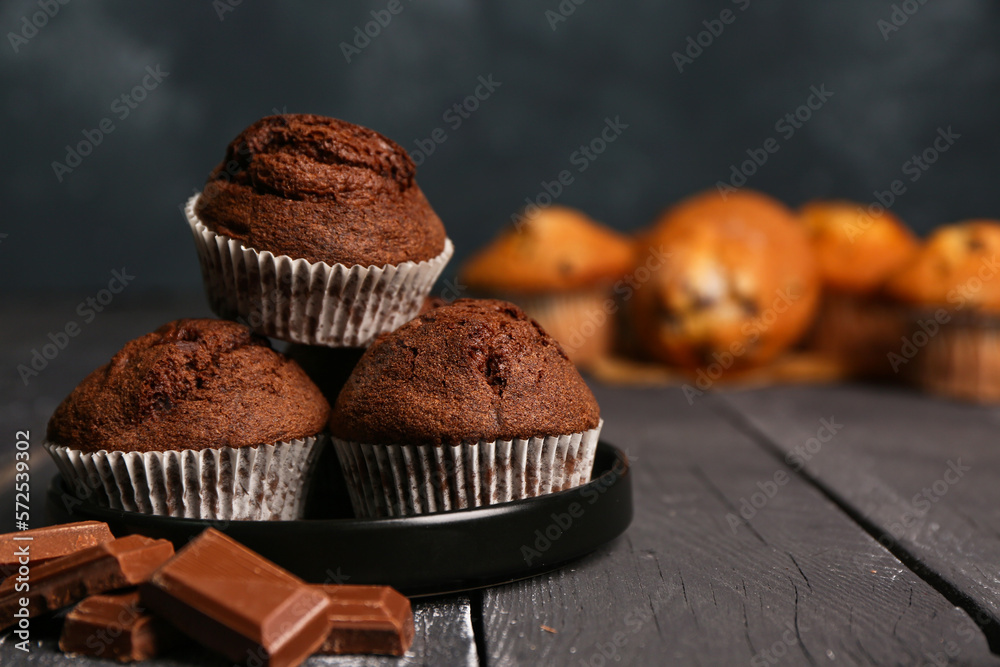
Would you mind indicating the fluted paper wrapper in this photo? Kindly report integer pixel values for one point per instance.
(960, 359)
(405, 480)
(266, 482)
(313, 303)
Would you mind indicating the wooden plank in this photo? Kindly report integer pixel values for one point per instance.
(681, 587)
(444, 636)
(799, 583)
(920, 472)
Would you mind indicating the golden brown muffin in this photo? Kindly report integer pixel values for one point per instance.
(955, 269)
(556, 249)
(856, 252)
(952, 289)
(738, 287)
(560, 266)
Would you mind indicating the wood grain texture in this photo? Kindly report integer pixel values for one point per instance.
(443, 636)
(798, 584)
(921, 472)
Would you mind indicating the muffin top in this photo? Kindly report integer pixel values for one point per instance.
(472, 370)
(855, 250)
(557, 248)
(738, 281)
(956, 267)
(191, 384)
(321, 189)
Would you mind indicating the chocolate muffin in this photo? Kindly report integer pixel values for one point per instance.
(321, 189)
(200, 418)
(314, 230)
(469, 404)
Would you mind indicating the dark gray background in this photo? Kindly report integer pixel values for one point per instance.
(120, 207)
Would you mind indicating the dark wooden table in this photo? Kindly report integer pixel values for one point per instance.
(789, 525)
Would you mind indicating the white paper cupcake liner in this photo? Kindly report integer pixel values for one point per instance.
(404, 480)
(267, 482)
(314, 303)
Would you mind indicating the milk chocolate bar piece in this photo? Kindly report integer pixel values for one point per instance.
(63, 581)
(367, 619)
(117, 628)
(45, 544)
(234, 601)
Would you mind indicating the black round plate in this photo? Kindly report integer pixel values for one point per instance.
(421, 555)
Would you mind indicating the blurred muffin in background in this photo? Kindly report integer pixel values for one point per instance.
(856, 252)
(952, 287)
(738, 287)
(560, 267)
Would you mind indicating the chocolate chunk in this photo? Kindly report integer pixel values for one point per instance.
(45, 544)
(234, 601)
(367, 619)
(116, 627)
(63, 581)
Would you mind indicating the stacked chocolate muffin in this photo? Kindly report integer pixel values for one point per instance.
(314, 231)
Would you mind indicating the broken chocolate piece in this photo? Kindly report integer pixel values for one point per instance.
(63, 581)
(40, 545)
(234, 601)
(367, 619)
(116, 627)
